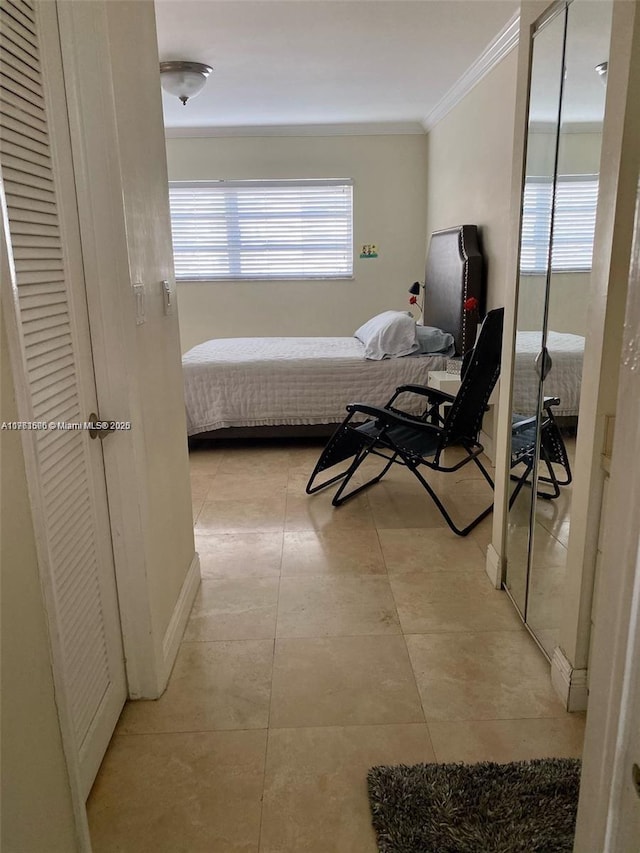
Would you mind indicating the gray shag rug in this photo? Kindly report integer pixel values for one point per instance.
(522, 807)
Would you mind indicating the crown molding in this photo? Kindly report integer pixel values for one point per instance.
(382, 128)
(494, 53)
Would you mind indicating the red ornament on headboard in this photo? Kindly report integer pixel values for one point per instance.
(470, 304)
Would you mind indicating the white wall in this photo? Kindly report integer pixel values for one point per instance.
(578, 154)
(470, 155)
(37, 812)
(390, 177)
(469, 169)
(164, 467)
(568, 302)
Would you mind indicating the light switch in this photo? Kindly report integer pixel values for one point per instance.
(138, 295)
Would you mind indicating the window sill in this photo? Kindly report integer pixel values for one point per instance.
(262, 280)
(539, 273)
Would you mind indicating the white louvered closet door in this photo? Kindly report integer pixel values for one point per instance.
(65, 468)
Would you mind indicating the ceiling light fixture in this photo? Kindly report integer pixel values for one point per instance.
(602, 69)
(184, 79)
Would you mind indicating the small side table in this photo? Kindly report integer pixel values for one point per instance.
(443, 381)
(450, 384)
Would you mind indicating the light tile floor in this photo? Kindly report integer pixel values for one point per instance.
(323, 641)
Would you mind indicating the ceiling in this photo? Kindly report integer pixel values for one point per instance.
(319, 62)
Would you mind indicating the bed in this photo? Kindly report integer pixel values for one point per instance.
(239, 387)
(266, 382)
(564, 378)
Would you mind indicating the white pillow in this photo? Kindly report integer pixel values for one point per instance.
(390, 334)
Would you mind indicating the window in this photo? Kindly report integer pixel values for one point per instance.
(262, 229)
(573, 226)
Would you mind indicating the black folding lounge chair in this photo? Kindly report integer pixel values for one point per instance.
(552, 451)
(415, 440)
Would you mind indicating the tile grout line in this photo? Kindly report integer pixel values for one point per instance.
(413, 674)
(415, 680)
(564, 715)
(267, 738)
(273, 661)
(266, 749)
(517, 630)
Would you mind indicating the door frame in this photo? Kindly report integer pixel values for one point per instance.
(87, 62)
(88, 65)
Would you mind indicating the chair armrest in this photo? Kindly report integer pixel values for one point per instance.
(426, 391)
(391, 418)
(367, 409)
(520, 426)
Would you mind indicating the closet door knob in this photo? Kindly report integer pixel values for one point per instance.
(99, 428)
(544, 363)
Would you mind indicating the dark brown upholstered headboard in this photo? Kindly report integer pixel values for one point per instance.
(454, 272)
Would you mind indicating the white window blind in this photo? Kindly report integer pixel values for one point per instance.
(573, 225)
(262, 229)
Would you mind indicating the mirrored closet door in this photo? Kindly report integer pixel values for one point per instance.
(566, 111)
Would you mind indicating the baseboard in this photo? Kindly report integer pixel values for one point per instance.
(493, 567)
(178, 622)
(570, 684)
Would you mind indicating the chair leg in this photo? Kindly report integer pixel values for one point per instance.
(553, 441)
(484, 471)
(339, 499)
(345, 441)
(311, 490)
(443, 510)
(521, 481)
(551, 479)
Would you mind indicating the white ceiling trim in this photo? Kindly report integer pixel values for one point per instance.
(496, 51)
(382, 128)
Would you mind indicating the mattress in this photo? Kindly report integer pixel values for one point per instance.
(239, 382)
(564, 378)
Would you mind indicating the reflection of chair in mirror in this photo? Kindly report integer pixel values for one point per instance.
(553, 451)
(416, 440)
